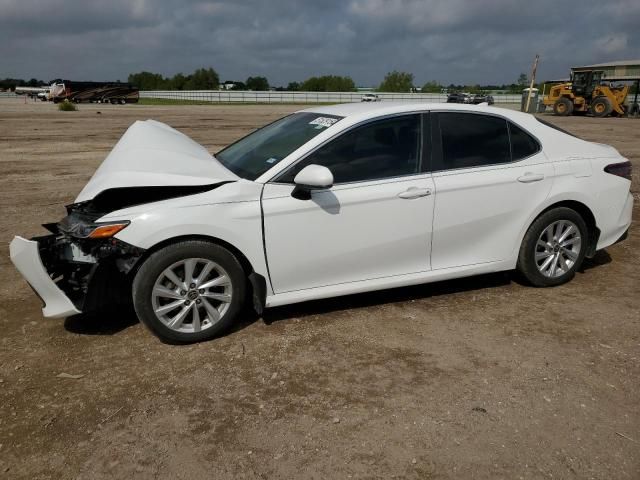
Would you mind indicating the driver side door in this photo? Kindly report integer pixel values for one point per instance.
(374, 222)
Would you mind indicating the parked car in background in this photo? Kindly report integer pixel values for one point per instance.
(370, 97)
(468, 98)
(482, 98)
(459, 97)
(325, 202)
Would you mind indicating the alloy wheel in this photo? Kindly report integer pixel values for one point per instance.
(191, 295)
(558, 248)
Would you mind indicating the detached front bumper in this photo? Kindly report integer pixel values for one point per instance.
(73, 275)
(25, 255)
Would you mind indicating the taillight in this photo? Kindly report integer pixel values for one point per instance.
(622, 169)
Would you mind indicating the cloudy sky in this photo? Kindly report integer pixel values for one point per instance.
(472, 41)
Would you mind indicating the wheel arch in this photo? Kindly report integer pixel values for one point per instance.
(257, 283)
(584, 211)
(247, 267)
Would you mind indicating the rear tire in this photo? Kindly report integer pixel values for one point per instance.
(553, 248)
(601, 107)
(172, 298)
(563, 107)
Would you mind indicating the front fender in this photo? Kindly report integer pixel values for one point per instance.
(239, 224)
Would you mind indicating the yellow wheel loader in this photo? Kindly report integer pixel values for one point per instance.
(585, 93)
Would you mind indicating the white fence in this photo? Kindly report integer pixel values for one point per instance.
(238, 96)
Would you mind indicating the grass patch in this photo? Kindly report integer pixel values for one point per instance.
(67, 106)
(172, 101)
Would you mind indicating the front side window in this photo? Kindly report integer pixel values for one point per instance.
(472, 140)
(380, 149)
(256, 153)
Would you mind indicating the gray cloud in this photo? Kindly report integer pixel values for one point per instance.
(454, 41)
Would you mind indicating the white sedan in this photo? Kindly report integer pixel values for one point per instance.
(325, 202)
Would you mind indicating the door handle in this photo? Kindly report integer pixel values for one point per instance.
(531, 177)
(415, 192)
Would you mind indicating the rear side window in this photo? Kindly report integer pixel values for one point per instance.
(523, 145)
(472, 140)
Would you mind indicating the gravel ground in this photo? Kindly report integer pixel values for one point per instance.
(474, 378)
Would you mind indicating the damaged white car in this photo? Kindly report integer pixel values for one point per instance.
(325, 202)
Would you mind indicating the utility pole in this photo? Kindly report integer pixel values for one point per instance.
(533, 80)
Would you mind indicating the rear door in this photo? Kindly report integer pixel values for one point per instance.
(489, 175)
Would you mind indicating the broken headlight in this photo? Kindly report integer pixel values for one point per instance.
(79, 227)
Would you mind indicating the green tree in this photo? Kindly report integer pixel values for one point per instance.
(293, 86)
(397, 82)
(328, 83)
(312, 84)
(203, 79)
(178, 82)
(148, 81)
(523, 80)
(258, 84)
(238, 86)
(12, 83)
(431, 87)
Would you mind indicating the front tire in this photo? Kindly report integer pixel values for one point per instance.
(189, 291)
(553, 248)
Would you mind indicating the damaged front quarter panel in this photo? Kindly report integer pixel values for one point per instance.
(91, 272)
(82, 256)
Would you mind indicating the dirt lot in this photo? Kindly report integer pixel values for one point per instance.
(477, 378)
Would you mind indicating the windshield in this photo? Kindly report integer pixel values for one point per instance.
(256, 153)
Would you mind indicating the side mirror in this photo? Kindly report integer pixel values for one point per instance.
(311, 177)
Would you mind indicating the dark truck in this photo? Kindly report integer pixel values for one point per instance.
(94, 92)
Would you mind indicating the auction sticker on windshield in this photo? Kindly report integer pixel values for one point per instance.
(323, 122)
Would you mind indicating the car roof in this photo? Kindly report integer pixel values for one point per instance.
(366, 110)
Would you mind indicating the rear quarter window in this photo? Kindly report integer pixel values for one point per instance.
(523, 145)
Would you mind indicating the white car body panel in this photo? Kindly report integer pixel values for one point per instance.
(610, 204)
(479, 210)
(151, 153)
(352, 237)
(25, 256)
(230, 213)
(384, 283)
(350, 232)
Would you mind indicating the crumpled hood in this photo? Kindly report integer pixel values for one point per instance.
(152, 153)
